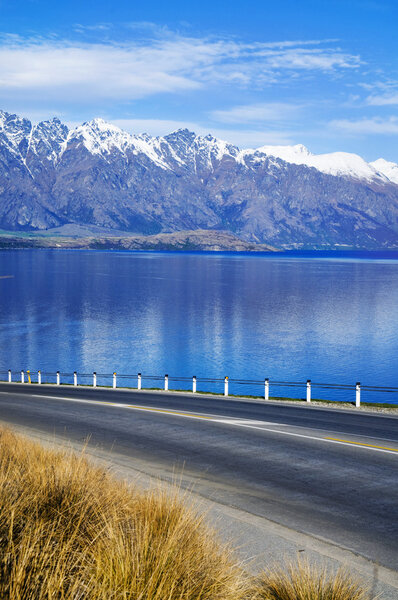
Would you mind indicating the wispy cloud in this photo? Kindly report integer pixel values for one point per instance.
(325, 59)
(96, 27)
(78, 72)
(381, 92)
(389, 99)
(376, 125)
(257, 113)
(86, 72)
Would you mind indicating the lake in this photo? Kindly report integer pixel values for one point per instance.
(328, 317)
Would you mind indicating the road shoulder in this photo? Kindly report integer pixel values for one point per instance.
(259, 541)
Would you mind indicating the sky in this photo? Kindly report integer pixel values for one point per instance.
(323, 73)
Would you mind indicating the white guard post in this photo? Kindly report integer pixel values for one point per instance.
(308, 390)
(266, 389)
(58, 378)
(358, 394)
(114, 381)
(139, 381)
(74, 378)
(22, 377)
(194, 384)
(94, 379)
(39, 377)
(166, 383)
(226, 386)
(9, 376)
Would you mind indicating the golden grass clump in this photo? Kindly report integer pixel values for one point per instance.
(302, 581)
(70, 531)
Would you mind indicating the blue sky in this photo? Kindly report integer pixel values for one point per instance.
(322, 73)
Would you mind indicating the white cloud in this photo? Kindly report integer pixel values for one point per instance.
(381, 92)
(371, 126)
(53, 69)
(310, 59)
(97, 27)
(383, 99)
(93, 71)
(258, 112)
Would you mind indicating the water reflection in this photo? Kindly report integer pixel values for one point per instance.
(328, 319)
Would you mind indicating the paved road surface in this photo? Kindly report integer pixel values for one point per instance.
(326, 472)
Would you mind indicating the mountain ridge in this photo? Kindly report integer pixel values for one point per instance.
(98, 174)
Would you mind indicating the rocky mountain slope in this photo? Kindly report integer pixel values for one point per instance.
(99, 175)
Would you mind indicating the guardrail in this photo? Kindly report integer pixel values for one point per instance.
(117, 380)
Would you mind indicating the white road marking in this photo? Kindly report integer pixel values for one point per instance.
(319, 439)
(248, 424)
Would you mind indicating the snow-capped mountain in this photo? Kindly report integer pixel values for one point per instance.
(388, 168)
(98, 174)
(182, 148)
(340, 164)
(186, 148)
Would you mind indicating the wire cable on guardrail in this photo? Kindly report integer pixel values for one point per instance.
(43, 376)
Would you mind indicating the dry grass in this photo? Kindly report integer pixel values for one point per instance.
(69, 531)
(302, 581)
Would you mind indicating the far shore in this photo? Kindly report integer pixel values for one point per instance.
(79, 237)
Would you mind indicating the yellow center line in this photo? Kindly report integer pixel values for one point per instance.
(156, 410)
(169, 412)
(225, 420)
(362, 444)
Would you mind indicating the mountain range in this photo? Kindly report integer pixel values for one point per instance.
(96, 175)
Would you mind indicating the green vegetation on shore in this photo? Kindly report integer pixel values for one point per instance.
(70, 531)
(96, 238)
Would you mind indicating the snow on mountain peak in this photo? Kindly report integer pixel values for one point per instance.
(52, 127)
(98, 125)
(345, 164)
(17, 132)
(297, 154)
(388, 168)
(180, 149)
(104, 138)
(3, 117)
(100, 137)
(341, 164)
(182, 133)
(102, 130)
(198, 152)
(220, 147)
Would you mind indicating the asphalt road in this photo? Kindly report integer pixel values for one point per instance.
(326, 472)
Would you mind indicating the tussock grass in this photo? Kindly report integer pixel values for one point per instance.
(302, 581)
(70, 531)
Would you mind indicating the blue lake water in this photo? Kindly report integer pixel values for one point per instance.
(291, 317)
